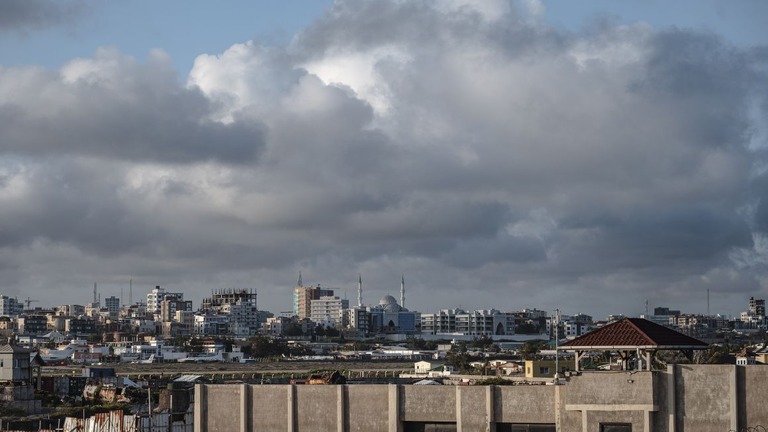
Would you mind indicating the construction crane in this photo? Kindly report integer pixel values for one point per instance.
(29, 301)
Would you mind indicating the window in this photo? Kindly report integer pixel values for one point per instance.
(524, 427)
(544, 370)
(615, 427)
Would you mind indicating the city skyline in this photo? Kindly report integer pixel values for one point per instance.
(521, 153)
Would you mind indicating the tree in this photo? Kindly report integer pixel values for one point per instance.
(292, 329)
(530, 348)
(262, 346)
(459, 360)
(526, 328)
(420, 344)
(483, 342)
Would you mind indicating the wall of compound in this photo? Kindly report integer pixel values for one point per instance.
(683, 398)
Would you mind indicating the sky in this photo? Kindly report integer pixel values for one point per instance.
(586, 156)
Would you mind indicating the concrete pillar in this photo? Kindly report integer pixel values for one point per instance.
(734, 398)
(558, 405)
(671, 398)
(458, 409)
(291, 408)
(490, 409)
(647, 421)
(341, 407)
(200, 408)
(244, 393)
(394, 408)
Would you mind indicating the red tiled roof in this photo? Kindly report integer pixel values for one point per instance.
(631, 332)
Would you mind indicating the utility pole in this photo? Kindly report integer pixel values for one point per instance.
(557, 346)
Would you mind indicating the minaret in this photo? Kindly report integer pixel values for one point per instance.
(402, 291)
(360, 290)
(94, 293)
(299, 283)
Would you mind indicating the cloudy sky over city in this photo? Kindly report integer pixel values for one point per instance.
(500, 154)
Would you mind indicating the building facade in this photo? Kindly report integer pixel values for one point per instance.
(10, 307)
(329, 311)
(303, 297)
(474, 323)
(238, 306)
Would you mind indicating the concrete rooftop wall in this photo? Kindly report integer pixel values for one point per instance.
(684, 398)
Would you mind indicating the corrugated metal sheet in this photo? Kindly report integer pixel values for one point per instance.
(117, 421)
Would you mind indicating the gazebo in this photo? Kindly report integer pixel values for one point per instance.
(632, 337)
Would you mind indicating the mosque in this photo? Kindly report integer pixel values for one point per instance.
(387, 317)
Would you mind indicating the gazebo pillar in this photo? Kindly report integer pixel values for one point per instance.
(577, 360)
(649, 354)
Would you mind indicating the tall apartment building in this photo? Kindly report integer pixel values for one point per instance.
(33, 324)
(329, 311)
(172, 304)
(156, 296)
(757, 306)
(239, 305)
(303, 297)
(113, 305)
(10, 307)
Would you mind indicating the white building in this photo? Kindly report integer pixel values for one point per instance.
(487, 322)
(156, 296)
(328, 311)
(238, 306)
(210, 325)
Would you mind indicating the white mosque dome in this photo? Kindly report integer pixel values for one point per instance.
(389, 304)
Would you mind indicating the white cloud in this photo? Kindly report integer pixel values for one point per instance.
(482, 154)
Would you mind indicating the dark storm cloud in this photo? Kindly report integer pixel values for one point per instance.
(25, 15)
(113, 107)
(75, 203)
(676, 236)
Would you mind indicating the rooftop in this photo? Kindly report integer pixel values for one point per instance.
(634, 332)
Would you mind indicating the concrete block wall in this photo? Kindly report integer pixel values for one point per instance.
(684, 398)
(753, 396)
(370, 408)
(704, 397)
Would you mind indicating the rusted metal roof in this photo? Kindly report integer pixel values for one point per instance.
(634, 333)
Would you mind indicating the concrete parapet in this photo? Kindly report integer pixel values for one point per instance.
(684, 398)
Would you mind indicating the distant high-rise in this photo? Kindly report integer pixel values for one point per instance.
(239, 305)
(156, 296)
(10, 307)
(113, 304)
(757, 306)
(665, 311)
(303, 296)
(328, 311)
